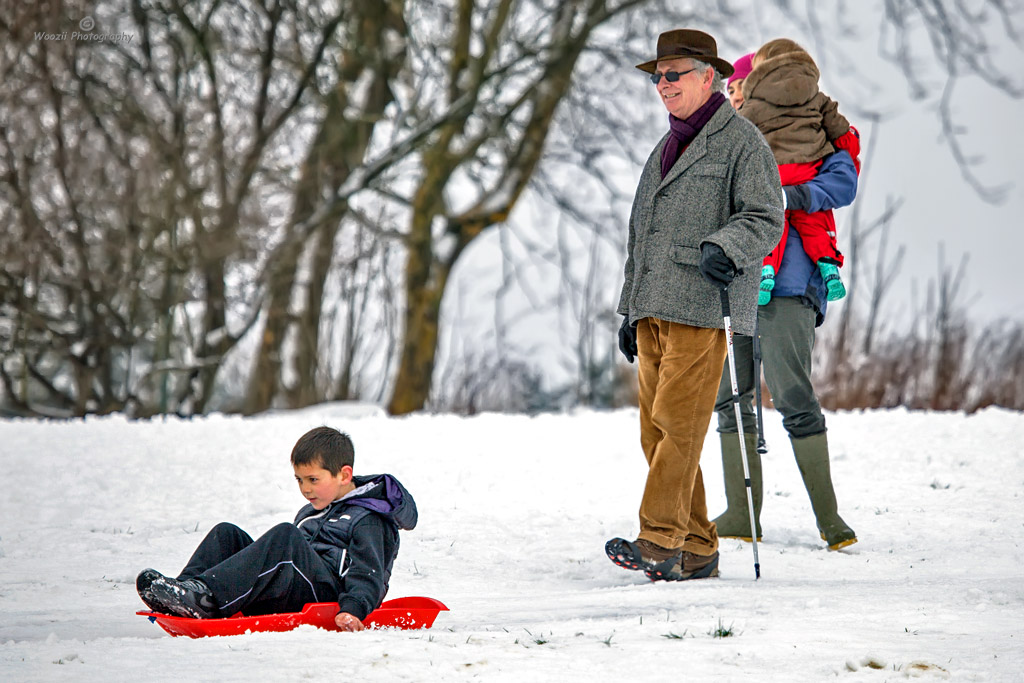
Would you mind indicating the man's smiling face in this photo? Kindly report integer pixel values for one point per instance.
(686, 95)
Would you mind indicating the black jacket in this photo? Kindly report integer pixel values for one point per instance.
(358, 537)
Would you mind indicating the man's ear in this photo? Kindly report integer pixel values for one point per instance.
(709, 76)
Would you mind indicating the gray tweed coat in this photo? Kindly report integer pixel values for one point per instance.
(723, 189)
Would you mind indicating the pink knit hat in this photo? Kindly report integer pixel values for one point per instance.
(742, 68)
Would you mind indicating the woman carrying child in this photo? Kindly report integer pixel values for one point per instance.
(795, 303)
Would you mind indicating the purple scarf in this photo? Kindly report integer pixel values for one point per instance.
(682, 133)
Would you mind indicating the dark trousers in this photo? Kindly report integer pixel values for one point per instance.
(278, 572)
(787, 339)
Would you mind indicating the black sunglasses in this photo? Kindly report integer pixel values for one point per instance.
(670, 76)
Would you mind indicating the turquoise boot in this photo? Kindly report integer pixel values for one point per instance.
(767, 285)
(833, 285)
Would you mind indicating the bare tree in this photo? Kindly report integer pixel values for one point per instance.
(372, 55)
(75, 299)
(276, 194)
(151, 156)
(961, 38)
(508, 98)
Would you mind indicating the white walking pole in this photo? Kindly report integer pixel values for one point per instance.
(739, 425)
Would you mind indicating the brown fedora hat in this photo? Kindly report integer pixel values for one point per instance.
(685, 42)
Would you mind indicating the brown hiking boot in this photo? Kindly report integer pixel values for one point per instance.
(654, 553)
(639, 554)
(684, 566)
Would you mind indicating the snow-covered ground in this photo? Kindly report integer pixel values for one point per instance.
(514, 513)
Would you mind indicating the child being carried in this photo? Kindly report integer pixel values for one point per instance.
(803, 127)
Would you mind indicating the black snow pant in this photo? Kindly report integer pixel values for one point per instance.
(278, 572)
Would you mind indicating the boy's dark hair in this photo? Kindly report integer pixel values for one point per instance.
(324, 446)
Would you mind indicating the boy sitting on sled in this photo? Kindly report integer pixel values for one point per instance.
(341, 546)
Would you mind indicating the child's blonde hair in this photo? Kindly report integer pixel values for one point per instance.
(774, 48)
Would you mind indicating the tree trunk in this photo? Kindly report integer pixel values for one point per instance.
(419, 345)
(267, 367)
(307, 390)
(339, 147)
(427, 274)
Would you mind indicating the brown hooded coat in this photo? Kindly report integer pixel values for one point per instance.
(782, 99)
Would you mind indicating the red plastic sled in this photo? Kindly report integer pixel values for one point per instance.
(403, 613)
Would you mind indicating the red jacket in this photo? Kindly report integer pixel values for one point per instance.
(817, 230)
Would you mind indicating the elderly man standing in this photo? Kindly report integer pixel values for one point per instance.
(707, 210)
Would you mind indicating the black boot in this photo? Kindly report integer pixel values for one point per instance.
(188, 598)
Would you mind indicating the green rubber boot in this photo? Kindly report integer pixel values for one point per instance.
(812, 458)
(834, 287)
(764, 294)
(735, 521)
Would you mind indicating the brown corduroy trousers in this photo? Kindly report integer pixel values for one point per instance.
(680, 367)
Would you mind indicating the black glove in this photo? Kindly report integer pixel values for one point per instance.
(627, 339)
(798, 197)
(715, 266)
